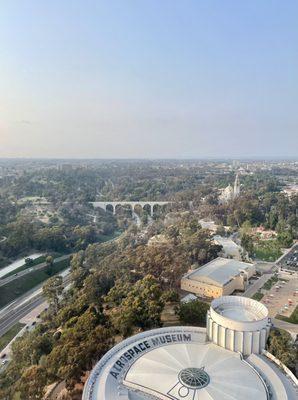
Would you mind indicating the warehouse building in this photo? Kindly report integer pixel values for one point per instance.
(219, 277)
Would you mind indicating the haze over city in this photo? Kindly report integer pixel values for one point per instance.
(172, 79)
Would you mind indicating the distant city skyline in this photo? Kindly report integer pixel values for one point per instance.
(154, 80)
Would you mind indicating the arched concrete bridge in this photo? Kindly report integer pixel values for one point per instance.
(106, 205)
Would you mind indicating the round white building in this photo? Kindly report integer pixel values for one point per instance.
(188, 363)
(238, 324)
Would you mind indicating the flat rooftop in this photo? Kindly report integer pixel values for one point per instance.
(178, 363)
(229, 246)
(194, 371)
(238, 308)
(238, 313)
(220, 270)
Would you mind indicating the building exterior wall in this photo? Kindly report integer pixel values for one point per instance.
(231, 287)
(249, 272)
(202, 289)
(246, 337)
(246, 342)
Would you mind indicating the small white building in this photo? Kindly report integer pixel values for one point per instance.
(219, 277)
(229, 247)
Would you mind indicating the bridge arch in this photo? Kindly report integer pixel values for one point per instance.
(137, 207)
(148, 208)
(124, 206)
(156, 207)
(110, 208)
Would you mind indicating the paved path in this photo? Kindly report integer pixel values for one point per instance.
(29, 270)
(257, 285)
(56, 390)
(287, 326)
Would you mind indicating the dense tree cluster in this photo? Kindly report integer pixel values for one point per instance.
(281, 345)
(274, 211)
(24, 235)
(193, 313)
(118, 288)
(140, 307)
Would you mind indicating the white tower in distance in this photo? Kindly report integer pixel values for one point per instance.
(236, 186)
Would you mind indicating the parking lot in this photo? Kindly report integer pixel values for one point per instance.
(289, 261)
(277, 298)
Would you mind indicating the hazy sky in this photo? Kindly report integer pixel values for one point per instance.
(148, 78)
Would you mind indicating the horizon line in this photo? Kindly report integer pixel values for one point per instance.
(207, 158)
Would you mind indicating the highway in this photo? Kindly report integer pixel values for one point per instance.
(13, 277)
(11, 314)
(12, 317)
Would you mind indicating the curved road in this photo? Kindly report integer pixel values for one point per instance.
(287, 326)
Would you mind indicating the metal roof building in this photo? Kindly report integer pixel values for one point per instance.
(219, 277)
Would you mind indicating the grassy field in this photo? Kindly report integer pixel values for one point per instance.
(9, 335)
(258, 296)
(267, 250)
(35, 262)
(293, 319)
(271, 282)
(20, 286)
